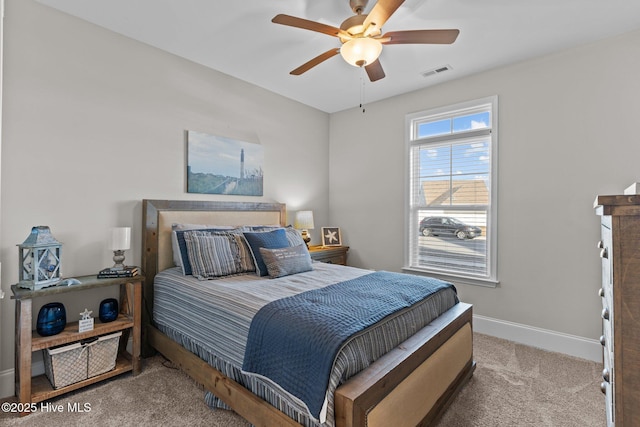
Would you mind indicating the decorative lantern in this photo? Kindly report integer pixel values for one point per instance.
(39, 259)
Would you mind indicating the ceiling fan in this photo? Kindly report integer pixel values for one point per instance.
(361, 36)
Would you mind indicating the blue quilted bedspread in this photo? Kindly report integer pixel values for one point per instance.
(294, 341)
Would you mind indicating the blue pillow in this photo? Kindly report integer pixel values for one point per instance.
(275, 239)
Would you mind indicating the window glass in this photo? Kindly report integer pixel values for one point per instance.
(471, 121)
(451, 206)
(440, 127)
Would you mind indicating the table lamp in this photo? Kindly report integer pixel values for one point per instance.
(120, 242)
(304, 222)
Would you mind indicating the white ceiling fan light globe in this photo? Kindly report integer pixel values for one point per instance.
(361, 51)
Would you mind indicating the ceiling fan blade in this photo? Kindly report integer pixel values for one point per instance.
(305, 24)
(379, 15)
(315, 61)
(375, 71)
(420, 37)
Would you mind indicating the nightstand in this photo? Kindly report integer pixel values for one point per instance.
(31, 390)
(329, 254)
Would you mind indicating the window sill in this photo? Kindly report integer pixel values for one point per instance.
(455, 279)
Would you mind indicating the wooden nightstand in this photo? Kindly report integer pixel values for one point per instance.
(32, 390)
(329, 254)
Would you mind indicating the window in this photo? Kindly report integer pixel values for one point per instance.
(451, 202)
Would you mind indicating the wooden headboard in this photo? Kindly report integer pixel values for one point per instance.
(159, 215)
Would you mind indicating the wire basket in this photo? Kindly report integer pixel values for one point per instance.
(68, 364)
(103, 354)
(65, 365)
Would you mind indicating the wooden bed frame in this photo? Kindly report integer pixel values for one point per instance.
(411, 385)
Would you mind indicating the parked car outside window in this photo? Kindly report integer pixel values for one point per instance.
(445, 225)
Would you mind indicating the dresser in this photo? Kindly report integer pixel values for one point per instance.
(620, 294)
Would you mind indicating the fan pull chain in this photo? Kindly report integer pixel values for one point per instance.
(362, 83)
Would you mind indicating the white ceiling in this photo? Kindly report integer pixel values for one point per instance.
(239, 39)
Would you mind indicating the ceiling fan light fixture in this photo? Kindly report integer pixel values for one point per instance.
(361, 51)
(361, 36)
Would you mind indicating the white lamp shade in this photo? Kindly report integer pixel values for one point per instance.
(121, 238)
(303, 220)
(361, 51)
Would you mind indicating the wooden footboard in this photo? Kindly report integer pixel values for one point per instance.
(411, 385)
(414, 383)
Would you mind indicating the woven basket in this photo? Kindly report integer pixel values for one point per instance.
(75, 362)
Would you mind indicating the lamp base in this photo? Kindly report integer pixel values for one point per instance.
(305, 237)
(118, 258)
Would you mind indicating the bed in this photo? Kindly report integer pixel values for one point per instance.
(411, 384)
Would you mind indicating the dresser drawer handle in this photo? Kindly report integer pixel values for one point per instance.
(604, 253)
(605, 375)
(603, 340)
(605, 314)
(600, 244)
(603, 387)
(601, 292)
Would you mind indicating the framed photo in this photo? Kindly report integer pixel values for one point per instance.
(220, 165)
(331, 236)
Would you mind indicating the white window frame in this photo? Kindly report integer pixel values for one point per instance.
(411, 124)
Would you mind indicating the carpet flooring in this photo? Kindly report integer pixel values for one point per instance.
(513, 385)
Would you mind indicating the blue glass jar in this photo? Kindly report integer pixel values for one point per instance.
(52, 319)
(108, 310)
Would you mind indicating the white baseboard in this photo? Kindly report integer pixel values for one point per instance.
(7, 384)
(7, 378)
(545, 339)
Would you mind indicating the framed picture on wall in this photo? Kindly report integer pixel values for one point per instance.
(331, 236)
(221, 165)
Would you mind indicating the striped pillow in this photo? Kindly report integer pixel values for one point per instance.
(181, 258)
(293, 236)
(285, 261)
(214, 255)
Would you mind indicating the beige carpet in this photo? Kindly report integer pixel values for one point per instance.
(513, 385)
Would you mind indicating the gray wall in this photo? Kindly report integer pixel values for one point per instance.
(94, 123)
(567, 132)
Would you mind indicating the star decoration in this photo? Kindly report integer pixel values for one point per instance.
(86, 314)
(331, 236)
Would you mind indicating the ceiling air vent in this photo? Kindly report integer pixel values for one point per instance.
(436, 71)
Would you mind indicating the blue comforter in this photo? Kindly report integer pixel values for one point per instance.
(294, 341)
